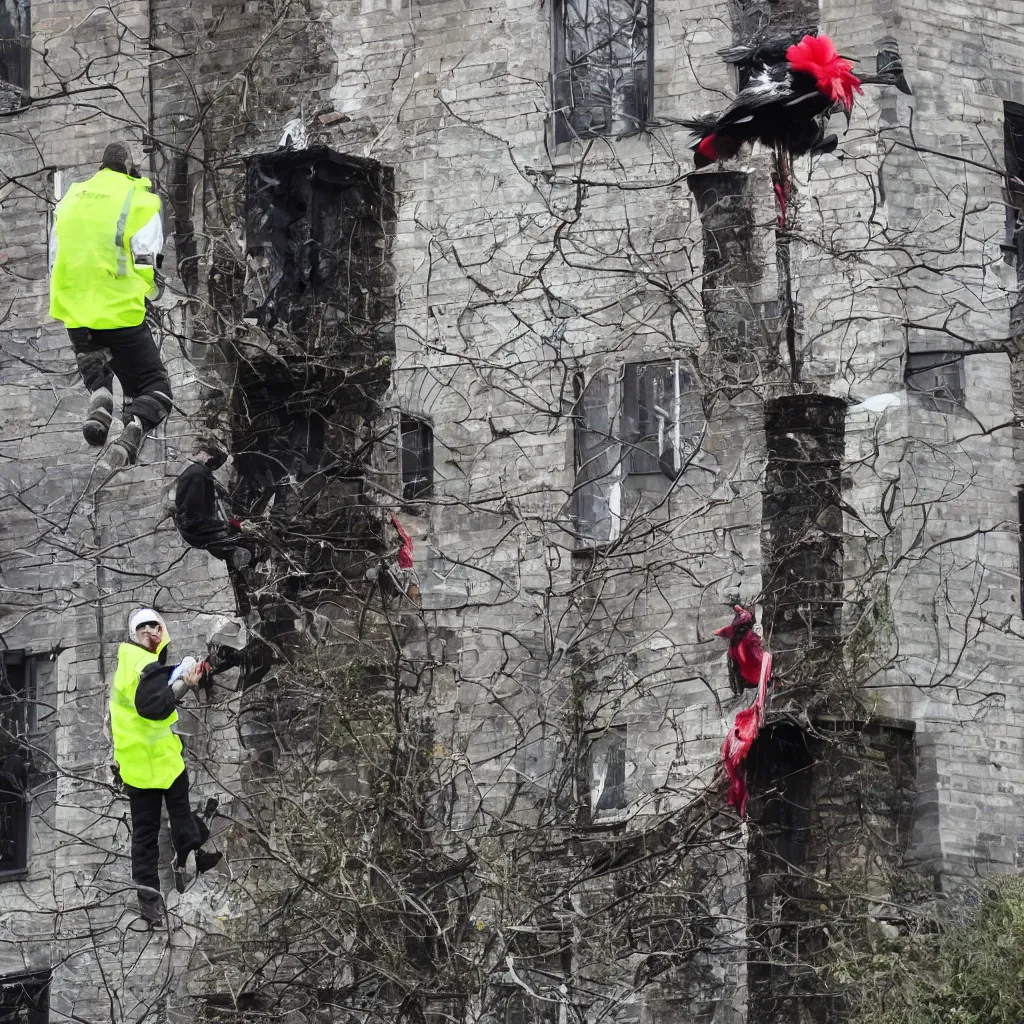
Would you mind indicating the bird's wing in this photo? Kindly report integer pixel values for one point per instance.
(763, 90)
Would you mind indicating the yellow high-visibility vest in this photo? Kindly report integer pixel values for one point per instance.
(148, 752)
(95, 282)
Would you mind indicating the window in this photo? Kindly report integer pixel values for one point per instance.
(606, 770)
(26, 725)
(648, 422)
(417, 459)
(15, 48)
(938, 377)
(1020, 544)
(603, 62)
(663, 417)
(597, 491)
(1013, 157)
(25, 999)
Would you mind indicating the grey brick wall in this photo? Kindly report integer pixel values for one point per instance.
(516, 266)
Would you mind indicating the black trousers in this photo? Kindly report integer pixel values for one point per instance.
(188, 830)
(130, 354)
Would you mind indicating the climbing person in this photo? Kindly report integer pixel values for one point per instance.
(106, 237)
(197, 512)
(147, 689)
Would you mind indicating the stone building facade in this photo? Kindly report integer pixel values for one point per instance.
(458, 246)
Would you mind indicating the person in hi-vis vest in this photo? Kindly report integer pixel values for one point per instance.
(147, 689)
(107, 234)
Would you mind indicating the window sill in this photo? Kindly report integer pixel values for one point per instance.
(14, 875)
(610, 818)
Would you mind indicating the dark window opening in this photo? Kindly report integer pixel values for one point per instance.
(543, 964)
(24, 723)
(606, 770)
(25, 999)
(938, 377)
(15, 54)
(802, 535)
(417, 459)
(317, 260)
(603, 62)
(1013, 156)
(663, 417)
(1020, 542)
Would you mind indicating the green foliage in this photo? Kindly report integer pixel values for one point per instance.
(964, 971)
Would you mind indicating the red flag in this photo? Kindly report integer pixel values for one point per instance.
(747, 653)
(405, 551)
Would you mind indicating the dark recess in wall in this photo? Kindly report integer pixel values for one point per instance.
(743, 332)
(802, 542)
(308, 379)
(831, 814)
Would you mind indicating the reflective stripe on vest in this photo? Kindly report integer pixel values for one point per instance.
(122, 221)
(95, 282)
(148, 752)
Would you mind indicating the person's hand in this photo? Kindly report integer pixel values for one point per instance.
(236, 523)
(192, 677)
(249, 526)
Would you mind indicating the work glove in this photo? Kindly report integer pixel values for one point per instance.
(115, 771)
(236, 523)
(249, 526)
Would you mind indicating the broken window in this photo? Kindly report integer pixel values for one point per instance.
(417, 459)
(15, 49)
(1013, 157)
(606, 770)
(26, 726)
(938, 377)
(25, 999)
(603, 63)
(663, 417)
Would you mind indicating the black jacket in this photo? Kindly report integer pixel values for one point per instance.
(154, 698)
(195, 507)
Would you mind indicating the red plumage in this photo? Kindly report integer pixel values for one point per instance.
(755, 668)
(817, 56)
(785, 102)
(745, 649)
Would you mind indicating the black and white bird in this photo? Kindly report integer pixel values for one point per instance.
(782, 103)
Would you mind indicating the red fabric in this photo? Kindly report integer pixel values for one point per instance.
(745, 650)
(236, 523)
(755, 668)
(405, 551)
(817, 56)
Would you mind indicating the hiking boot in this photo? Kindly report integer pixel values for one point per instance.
(151, 911)
(205, 861)
(96, 424)
(125, 450)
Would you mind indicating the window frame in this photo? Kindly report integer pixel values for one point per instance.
(34, 995)
(1013, 161)
(612, 804)
(30, 739)
(930, 398)
(562, 131)
(636, 416)
(420, 477)
(1020, 547)
(16, 51)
